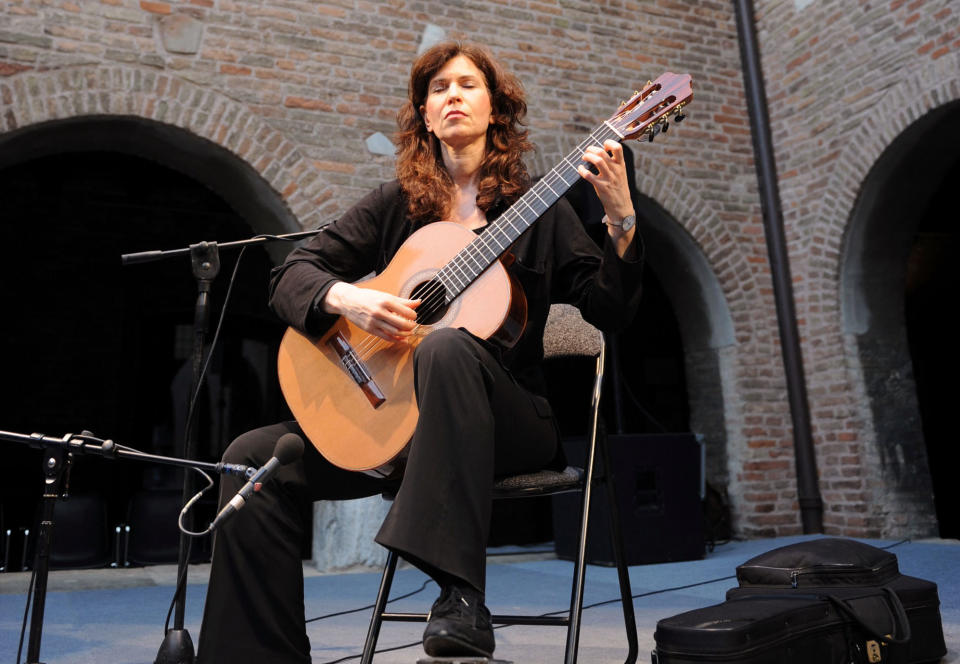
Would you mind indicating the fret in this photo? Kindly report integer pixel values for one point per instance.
(530, 206)
(470, 258)
(606, 123)
(461, 274)
(552, 190)
(486, 246)
(446, 283)
(498, 228)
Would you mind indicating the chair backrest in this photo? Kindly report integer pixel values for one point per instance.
(567, 334)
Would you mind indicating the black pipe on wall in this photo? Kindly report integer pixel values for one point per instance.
(808, 489)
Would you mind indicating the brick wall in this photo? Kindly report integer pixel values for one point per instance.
(294, 89)
(844, 79)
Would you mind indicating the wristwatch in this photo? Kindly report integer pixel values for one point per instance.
(625, 224)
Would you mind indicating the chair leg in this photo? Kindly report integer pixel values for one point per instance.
(576, 597)
(386, 581)
(616, 541)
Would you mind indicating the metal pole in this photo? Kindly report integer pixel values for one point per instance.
(808, 490)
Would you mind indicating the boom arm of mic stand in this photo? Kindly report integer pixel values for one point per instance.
(84, 444)
(56, 460)
(156, 255)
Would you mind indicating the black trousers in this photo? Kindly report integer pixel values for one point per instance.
(475, 423)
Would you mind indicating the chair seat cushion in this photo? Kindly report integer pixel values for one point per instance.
(540, 482)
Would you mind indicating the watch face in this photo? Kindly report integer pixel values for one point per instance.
(628, 222)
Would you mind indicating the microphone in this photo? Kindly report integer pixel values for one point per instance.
(289, 448)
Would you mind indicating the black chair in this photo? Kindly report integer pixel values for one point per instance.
(81, 535)
(567, 335)
(154, 535)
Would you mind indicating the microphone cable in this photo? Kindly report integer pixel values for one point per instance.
(370, 606)
(542, 615)
(181, 586)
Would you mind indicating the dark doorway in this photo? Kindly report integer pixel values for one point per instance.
(899, 288)
(647, 390)
(933, 284)
(91, 344)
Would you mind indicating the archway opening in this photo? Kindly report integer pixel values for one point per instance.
(898, 288)
(932, 285)
(95, 345)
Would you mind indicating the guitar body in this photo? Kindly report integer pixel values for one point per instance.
(361, 424)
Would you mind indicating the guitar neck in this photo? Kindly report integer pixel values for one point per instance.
(497, 238)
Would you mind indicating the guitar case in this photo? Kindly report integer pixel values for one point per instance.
(830, 601)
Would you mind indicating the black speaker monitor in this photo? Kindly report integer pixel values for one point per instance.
(659, 485)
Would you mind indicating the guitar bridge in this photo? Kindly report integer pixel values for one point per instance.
(357, 370)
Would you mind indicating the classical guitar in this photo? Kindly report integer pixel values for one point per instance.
(352, 392)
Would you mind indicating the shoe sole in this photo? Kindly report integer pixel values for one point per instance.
(451, 646)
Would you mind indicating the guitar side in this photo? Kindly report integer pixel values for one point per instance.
(366, 427)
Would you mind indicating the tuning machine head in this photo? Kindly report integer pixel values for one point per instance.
(678, 114)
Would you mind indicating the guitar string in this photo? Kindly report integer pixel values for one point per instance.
(462, 257)
(373, 343)
(434, 297)
(555, 175)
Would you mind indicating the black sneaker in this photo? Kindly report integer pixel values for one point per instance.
(458, 625)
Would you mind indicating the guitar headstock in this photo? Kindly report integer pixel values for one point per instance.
(648, 112)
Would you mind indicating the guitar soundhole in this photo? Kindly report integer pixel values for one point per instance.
(434, 301)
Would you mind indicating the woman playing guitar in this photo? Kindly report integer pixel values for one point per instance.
(481, 407)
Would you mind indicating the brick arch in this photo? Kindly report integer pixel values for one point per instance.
(899, 499)
(31, 99)
(699, 219)
(931, 87)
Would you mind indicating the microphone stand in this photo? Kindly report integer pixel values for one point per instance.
(177, 647)
(57, 460)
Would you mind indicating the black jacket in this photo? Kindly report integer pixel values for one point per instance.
(556, 262)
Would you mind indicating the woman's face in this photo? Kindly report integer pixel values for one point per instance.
(457, 109)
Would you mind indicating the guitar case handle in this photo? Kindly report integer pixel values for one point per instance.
(901, 623)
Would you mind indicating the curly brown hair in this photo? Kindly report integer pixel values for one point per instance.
(420, 170)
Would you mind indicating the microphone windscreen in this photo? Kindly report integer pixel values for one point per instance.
(289, 448)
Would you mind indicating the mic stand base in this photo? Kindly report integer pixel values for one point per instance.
(177, 648)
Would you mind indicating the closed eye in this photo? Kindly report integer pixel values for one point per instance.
(441, 85)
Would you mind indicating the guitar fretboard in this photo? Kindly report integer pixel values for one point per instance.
(493, 242)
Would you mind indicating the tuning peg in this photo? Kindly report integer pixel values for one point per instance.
(666, 126)
(679, 117)
(657, 129)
